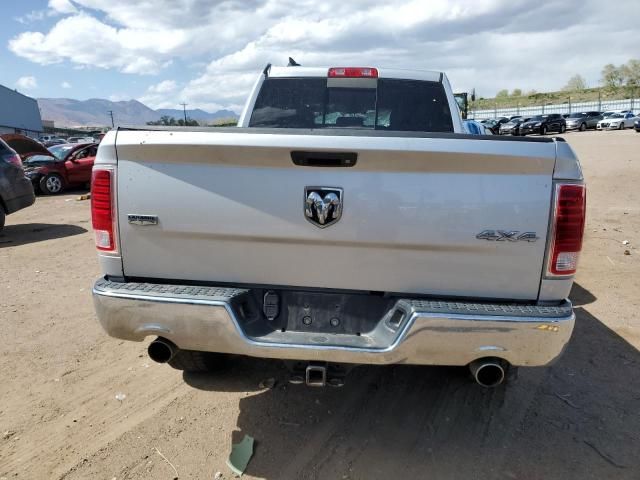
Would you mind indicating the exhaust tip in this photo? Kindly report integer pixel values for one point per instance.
(161, 350)
(489, 372)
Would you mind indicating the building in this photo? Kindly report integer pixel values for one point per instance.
(19, 113)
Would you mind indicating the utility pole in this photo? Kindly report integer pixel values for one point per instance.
(111, 113)
(184, 109)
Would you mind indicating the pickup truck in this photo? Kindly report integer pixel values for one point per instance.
(347, 220)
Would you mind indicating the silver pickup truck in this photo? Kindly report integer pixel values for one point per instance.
(348, 220)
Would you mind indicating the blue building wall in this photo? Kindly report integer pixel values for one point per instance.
(19, 113)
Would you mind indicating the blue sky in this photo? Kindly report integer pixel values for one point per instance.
(207, 53)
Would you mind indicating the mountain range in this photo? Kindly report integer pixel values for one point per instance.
(95, 112)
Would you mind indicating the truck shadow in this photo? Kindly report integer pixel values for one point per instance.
(15, 235)
(575, 419)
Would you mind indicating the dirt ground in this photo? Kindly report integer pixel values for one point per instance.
(60, 375)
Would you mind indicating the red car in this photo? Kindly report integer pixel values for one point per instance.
(57, 168)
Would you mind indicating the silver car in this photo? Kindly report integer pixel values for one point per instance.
(583, 120)
(617, 121)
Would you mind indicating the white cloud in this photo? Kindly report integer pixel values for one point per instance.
(27, 83)
(161, 95)
(62, 6)
(65, 85)
(163, 87)
(103, 46)
(486, 44)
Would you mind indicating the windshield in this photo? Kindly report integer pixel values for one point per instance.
(616, 115)
(384, 104)
(577, 115)
(539, 118)
(61, 151)
(39, 159)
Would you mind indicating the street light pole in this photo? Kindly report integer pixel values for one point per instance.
(111, 113)
(184, 109)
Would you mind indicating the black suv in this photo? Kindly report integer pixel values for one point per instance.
(551, 122)
(16, 191)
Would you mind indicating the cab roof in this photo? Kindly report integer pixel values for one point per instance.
(399, 73)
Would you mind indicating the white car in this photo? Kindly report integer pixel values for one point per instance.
(616, 121)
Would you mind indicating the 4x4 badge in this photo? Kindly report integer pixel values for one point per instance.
(507, 236)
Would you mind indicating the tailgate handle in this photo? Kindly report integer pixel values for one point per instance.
(324, 159)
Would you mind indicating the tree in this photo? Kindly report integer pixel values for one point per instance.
(575, 84)
(516, 92)
(612, 76)
(502, 93)
(167, 121)
(631, 73)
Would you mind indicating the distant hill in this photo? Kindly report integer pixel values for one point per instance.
(95, 112)
(197, 114)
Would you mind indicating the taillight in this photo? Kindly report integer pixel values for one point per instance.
(13, 159)
(102, 209)
(568, 229)
(353, 72)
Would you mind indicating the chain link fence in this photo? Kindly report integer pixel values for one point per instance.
(632, 104)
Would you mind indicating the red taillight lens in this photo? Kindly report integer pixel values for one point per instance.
(102, 214)
(353, 72)
(568, 229)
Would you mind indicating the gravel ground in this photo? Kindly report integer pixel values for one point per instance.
(59, 416)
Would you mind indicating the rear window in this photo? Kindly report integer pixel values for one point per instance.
(387, 104)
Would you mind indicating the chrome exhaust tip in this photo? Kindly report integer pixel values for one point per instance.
(489, 372)
(162, 350)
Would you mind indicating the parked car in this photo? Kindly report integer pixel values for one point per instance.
(617, 121)
(66, 166)
(24, 146)
(16, 191)
(583, 120)
(636, 125)
(80, 140)
(552, 122)
(476, 128)
(608, 113)
(494, 124)
(512, 127)
(55, 141)
(54, 169)
(461, 251)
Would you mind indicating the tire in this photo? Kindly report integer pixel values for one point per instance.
(51, 184)
(543, 130)
(2, 218)
(195, 361)
(563, 128)
(621, 127)
(583, 127)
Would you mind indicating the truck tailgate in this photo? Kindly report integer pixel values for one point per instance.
(230, 208)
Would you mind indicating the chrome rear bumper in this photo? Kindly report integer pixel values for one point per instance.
(413, 332)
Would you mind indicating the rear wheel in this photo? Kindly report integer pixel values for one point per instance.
(2, 217)
(194, 361)
(51, 184)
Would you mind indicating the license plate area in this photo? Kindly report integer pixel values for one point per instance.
(356, 320)
(320, 312)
